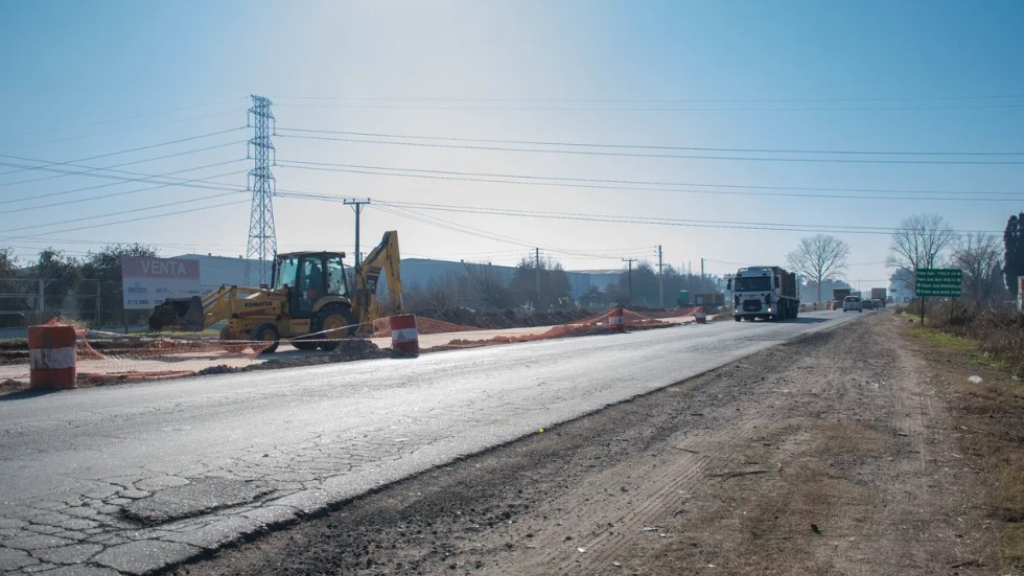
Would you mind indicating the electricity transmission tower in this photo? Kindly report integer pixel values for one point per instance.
(262, 245)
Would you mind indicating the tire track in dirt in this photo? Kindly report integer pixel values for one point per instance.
(828, 408)
(663, 490)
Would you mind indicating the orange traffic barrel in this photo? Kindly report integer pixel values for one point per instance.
(616, 323)
(51, 352)
(404, 336)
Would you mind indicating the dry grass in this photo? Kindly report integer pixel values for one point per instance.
(989, 414)
(998, 334)
(808, 485)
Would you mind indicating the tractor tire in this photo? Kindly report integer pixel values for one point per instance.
(304, 345)
(267, 332)
(232, 348)
(329, 318)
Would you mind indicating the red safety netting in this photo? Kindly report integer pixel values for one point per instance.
(105, 357)
(597, 324)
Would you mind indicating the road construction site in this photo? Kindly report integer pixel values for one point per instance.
(109, 358)
(834, 453)
(136, 478)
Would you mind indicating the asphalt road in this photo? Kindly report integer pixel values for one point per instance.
(133, 478)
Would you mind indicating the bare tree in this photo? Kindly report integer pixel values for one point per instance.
(980, 257)
(8, 263)
(819, 259)
(919, 241)
(488, 286)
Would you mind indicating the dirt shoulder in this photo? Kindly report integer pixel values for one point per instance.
(835, 454)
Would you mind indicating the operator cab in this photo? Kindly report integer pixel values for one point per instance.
(308, 277)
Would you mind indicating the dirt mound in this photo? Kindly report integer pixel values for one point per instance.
(10, 385)
(347, 351)
(497, 319)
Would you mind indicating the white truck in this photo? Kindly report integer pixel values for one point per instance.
(765, 292)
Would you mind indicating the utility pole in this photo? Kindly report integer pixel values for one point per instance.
(661, 281)
(357, 205)
(262, 243)
(630, 276)
(701, 272)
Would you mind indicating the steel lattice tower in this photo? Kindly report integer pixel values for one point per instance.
(262, 246)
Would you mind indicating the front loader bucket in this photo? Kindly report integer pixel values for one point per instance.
(181, 314)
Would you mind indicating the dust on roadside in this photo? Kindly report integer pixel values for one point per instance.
(834, 454)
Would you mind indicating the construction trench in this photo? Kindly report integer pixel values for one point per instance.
(104, 358)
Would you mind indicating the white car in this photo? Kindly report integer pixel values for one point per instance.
(852, 303)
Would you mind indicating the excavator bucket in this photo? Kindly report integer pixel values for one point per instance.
(178, 313)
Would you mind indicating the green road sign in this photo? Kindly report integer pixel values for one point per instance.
(940, 282)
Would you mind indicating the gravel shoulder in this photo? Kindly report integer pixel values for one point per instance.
(833, 454)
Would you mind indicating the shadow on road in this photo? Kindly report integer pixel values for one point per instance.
(26, 394)
(794, 321)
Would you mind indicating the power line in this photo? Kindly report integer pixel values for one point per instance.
(597, 183)
(92, 170)
(464, 108)
(139, 219)
(665, 156)
(202, 183)
(129, 150)
(665, 100)
(133, 210)
(646, 146)
(441, 223)
(124, 119)
(176, 122)
(658, 220)
(146, 178)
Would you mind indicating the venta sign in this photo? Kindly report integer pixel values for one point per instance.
(148, 282)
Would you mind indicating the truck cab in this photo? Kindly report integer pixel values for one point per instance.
(764, 292)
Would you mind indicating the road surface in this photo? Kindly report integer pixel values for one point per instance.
(134, 478)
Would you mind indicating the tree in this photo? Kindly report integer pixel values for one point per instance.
(8, 263)
(105, 265)
(488, 287)
(919, 242)
(978, 256)
(11, 299)
(549, 277)
(819, 259)
(642, 288)
(60, 274)
(103, 286)
(1013, 251)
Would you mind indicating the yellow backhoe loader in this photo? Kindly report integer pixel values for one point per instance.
(308, 298)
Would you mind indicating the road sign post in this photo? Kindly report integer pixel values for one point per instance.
(937, 282)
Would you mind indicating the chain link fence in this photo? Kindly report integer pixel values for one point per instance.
(93, 303)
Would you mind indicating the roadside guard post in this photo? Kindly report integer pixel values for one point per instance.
(404, 336)
(616, 323)
(701, 316)
(51, 351)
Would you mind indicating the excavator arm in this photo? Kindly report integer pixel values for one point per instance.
(384, 258)
(197, 313)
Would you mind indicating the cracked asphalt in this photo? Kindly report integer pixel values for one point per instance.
(137, 478)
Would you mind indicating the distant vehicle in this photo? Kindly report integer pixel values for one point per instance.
(766, 292)
(837, 304)
(879, 294)
(867, 304)
(839, 294)
(852, 303)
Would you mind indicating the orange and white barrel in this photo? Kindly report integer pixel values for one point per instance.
(616, 323)
(701, 316)
(404, 336)
(51, 353)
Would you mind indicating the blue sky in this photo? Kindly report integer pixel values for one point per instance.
(88, 79)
